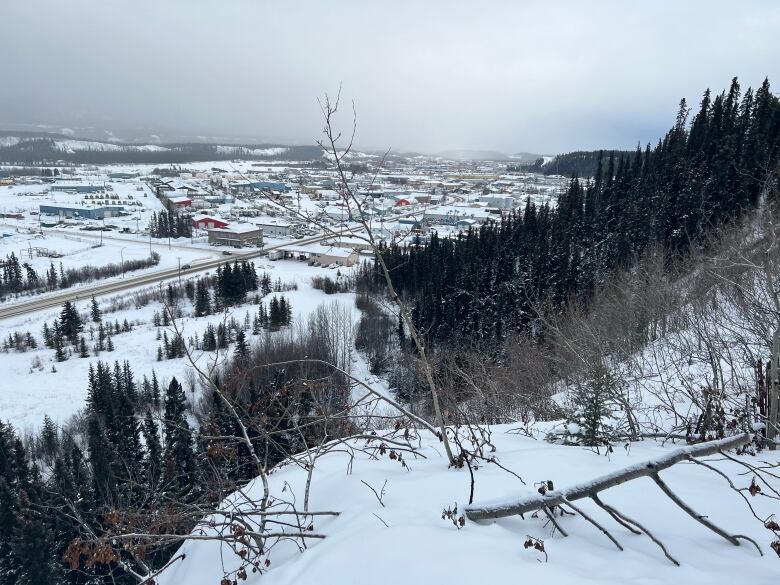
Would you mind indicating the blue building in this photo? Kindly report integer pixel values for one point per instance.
(253, 186)
(81, 211)
(4, 174)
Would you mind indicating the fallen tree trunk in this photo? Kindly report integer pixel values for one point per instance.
(511, 507)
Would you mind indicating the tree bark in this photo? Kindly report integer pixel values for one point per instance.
(532, 502)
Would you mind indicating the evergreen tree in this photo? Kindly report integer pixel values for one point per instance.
(70, 323)
(275, 318)
(242, 350)
(202, 299)
(95, 313)
(153, 451)
(590, 423)
(48, 340)
(179, 464)
(83, 353)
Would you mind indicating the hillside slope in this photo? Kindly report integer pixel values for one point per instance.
(407, 541)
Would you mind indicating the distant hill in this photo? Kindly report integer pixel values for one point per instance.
(18, 147)
(486, 155)
(582, 163)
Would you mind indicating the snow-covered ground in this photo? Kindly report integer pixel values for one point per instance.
(28, 392)
(407, 541)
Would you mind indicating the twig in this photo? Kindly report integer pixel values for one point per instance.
(596, 524)
(380, 495)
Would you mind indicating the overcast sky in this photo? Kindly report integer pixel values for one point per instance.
(539, 76)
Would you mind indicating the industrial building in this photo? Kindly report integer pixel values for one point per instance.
(273, 227)
(321, 254)
(254, 186)
(75, 188)
(202, 221)
(81, 211)
(238, 235)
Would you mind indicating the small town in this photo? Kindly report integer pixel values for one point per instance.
(255, 206)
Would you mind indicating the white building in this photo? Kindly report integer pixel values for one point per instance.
(498, 201)
(273, 227)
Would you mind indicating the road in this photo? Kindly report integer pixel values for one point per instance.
(134, 281)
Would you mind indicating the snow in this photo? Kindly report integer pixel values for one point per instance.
(239, 150)
(420, 547)
(9, 141)
(236, 228)
(74, 145)
(27, 393)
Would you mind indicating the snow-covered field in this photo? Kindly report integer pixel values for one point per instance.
(407, 541)
(27, 393)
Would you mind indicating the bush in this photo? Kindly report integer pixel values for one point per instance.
(330, 286)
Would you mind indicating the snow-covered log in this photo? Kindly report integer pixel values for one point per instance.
(532, 502)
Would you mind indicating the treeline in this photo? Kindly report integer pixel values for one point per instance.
(582, 163)
(20, 277)
(486, 284)
(167, 224)
(33, 171)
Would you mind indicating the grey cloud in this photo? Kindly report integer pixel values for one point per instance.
(542, 76)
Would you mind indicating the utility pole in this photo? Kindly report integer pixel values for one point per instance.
(179, 257)
(122, 260)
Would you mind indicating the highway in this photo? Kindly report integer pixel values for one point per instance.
(131, 281)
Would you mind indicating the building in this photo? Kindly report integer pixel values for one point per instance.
(74, 188)
(450, 215)
(180, 201)
(327, 195)
(337, 213)
(498, 201)
(255, 186)
(320, 254)
(204, 222)
(238, 235)
(82, 211)
(273, 227)
(466, 224)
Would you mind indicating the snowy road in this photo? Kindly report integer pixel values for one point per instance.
(134, 281)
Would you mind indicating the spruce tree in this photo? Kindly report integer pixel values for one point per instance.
(591, 420)
(83, 353)
(95, 313)
(153, 451)
(179, 464)
(202, 299)
(242, 349)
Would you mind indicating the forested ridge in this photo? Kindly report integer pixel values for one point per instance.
(581, 162)
(485, 284)
(41, 150)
